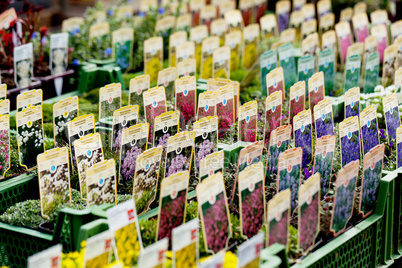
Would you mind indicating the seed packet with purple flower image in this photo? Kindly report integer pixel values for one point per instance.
(173, 202)
(214, 213)
(316, 89)
(154, 255)
(252, 199)
(248, 121)
(123, 118)
(101, 183)
(302, 133)
(175, 39)
(369, 128)
(154, 105)
(269, 27)
(391, 112)
(225, 108)
(306, 68)
(206, 104)
(282, 9)
(211, 164)
(310, 45)
(278, 143)
(166, 125)
(63, 112)
(349, 135)
(399, 147)
(298, 4)
(209, 44)
(275, 81)
(221, 62)
(166, 78)
(138, 85)
(206, 139)
(344, 35)
(145, 179)
(185, 243)
(273, 113)
(308, 28)
(186, 68)
(309, 217)
(268, 62)
(297, 100)
(344, 197)
(372, 171)
(324, 122)
(388, 71)
(352, 102)
(371, 72)
(360, 26)
(288, 62)
(122, 44)
(179, 152)
(248, 253)
(185, 90)
(380, 31)
(29, 98)
(326, 64)
(324, 159)
(278, 218)
(251, 40)
(207, 15)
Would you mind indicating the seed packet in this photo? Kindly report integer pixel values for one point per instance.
(88, 150)
(360, 26)
(248, 253)
(164, 27)
(225, 6)
(251, 36)
(3, 91)
(173, 200)
(273, 113)
(78, 128)
(219, 28)
(206, 139)
(70, 24)
(388, 70)
(186, 68)
(302, 132)
(399, 147)
(137, 86)
(153, 57)
(268, 62)
(355, 49)
(179, 152)
(252, 199)
(221, 62)
(146, 6)
(269, 27)
(323, 160)
(350, 140)
(278, 142)
(326, 22)
(225, 108)
(166, 78)
(288, 62)
(344, 197)
(211, 164)
(185, 89)
(326, 65)
(372, 171)
(398, 60)
(328, 41)
(360, 7)
(398, 81)
(372, 69)
(234, 20)
(197, 34)
(282, 9)
(186, 51)
(195, 9)
(324, 122)
(63, 112)
(209, 44)
(23, 65)
(123, 118)
(207, 15)
(54, 178)
(352, 102)
(99, 32)
(344, 35)
(308, 11)
(206, 104)
(396, 29)
(50, 257)
(154, 255)
(58, 56)
(310, 45)
(30, 136)
(380, 31)
(278, 218)
(369, 128)
(296, 20)
(4, 106)
(352, 72)
(99, 250)
(275, 81)
(185, 244)
(306, 68)
(392, 119)
(123, 223)
(109, 99)
(297, 99)
(146, 178)
(101, 183)
(214, 211)
(308, 27)
(248, 121)
(346, 14)
(260, 8)
(4, 144)
(183, 23)
(29, 98)
(234, 40)
(246, 8)
(123, 43)
(323, 7)
(298, 4)
(316, 90)
(286, 36)
(166, 125)
(155, 104)
(379, 16)
(175, 40)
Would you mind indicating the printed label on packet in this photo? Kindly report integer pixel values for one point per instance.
(349, 139)
(326, 22)
(323, 160)
(99, 249)
(185, 243)
(273, 113)
(316, 89)
(63, 112)
(310, 45)
(209, 44)
(98, 30)
(248, 253)
(166, 78)
(154, 255)
(221, 62)
(71, 24)
(138, 85)
(323, 118)
(186, 68)
(225, 107)
(109, 100)
(50, 257)
(3, 91)
(206, 139)
(175, 39)
(211, 164)
(123, 118)
(185, 99)
(352, 72)
(186, 51)
(248, 121)
(355, 49)
(154, 105)
(369, 128)
(251, 35)
(278, 143)
(29, 98)
(302, 133)
(329, 41)
(268, 26)
(206, 104)
(352, 102)
(275, 81)
(233, 40)
(297, 99)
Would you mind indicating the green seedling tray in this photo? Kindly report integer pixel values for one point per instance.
(91, 76)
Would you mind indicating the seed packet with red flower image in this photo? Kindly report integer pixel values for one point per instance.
(323, 118)
(207, 15)
(234, 20)
(273, 113)
(173, 201)
(316, 89)
(206, 139)
(166, 78)
(246, 8)
(275, 81)
(219, 28)
(175, 39)
(248, 122)
(225, 108)
(233, 40)
(278, 218)
(349, 135)
(248, 253)
(282, 9)
(179, 152)
(380, 31)
(297, 100)
(186, 68)
(309, 217)
(138, 85)
(166, 125)
(99, 249)
(323, 161)
(185, 89)
(154, 255)
(195, 9)
(302, 132)
(344, 35)
(252, 199)
(278, 143)
(209, 44)
(123, 118)
(369, 128)
(197, 34)
(185, 244)
(360, 26)
(391, 112)
(206, 104)
(211, 164)
(214, 213)
(154, 105)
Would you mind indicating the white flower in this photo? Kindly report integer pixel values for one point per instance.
(23, 68)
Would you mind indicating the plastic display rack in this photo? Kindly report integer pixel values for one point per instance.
(92, 76)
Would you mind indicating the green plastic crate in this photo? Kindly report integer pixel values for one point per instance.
(397, 220)
(91, 76)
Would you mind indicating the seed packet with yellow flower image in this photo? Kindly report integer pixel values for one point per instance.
(326, 23)
(316, 89)
(346, 15)
(287, 61)
(29, 98)
(123, 223)
(269, 26)
(63, 112)
(166, 125)
(234, 40)
(175, 39)
(30, 136)
(278, 218)
(206, 104)
(219, 28)
(310, 45)
(154, 256)
(248, 122)
(123, 118)
(234, 20)
(396, 29)
(206, 139)
(246, 8)
(282, 9)
(308, 11)
(186, 68)
(166, 78)
(195, 9)
(138, 85)
(251, 41)
(153, 57)
(275, 81)
(211, 164)
(197, 34)
(308, 27)
(101, 183)
(344, 36)
(71, 24)
(99, 250)
(209, 44)
(221, 62)
(154, 105)
(122, 44)
(179, 152)
(4, 144)
(50, 257)
(185, 244)
(185, 99)
(58, 56)
(185, 51)
(3, 91)
(207, 15)
(216, 260)
(388, 71)
(225, 6)
(23, 65)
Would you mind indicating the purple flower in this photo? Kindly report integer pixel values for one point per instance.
(304, 140)
(108, 51)
(110, 12)
(163, 141)
(290, 180)
(252, 209)
(352, 110)
(179, 163)
(393, 122)
(309, 220)
(75, 31)
(370, 135)
(371, 182)
(324, 167)
(273, 155)
(204, 149)
(350, 147)
(76, 62)
(324, 125)
(344, 200)
(161, 10)
(127, 169)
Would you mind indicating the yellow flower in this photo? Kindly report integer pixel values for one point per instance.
(206, 71)
(250, 55)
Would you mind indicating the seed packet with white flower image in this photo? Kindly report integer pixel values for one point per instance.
(147, 166)
(344, 36)
(360, 26)
(252, 199)
(101, 183)
(29, 98)
(310, 45)
(186, 68)
(138, 85)
(63, 112)
(109, 100)
(211, 164)
(179, 152)
(23, 65)
(183, 23)
(323, 118)
(396, 29)
(306, 68)
(309, 217)
(154, 105)
(122, 43)
(344, 197)
(186, 51)
(398, 60)
(380, 31)
(207, 15)
(326, 23)
(123, 118)
(234, 19)
(302, 133)
(391, 112)
(3, 91)
(278, 143)
(175, 39)
(323, 160)
(251, 41)
(219, 28)
(273, 113)
(58, 58)
(221, 62)
(214, 213)
(154, 256)
(197, 34)
(297, 99)
(399, 147)
(98, 31)
(278, 218)
(369, 128)
(388, 71)
(316, 89)
(153, 57)
(88, 150)
(275, 81)
(349, 135)
(352, 102)
(225, 108)
(248, 253)
(166, 78)
(371, 72)
(248, 114)
(326, 64)
(206, 139)
(206, 104)
(71, 24)
(286, 36)
(30, 136)
(123, 223)
(4, 106)
(209, 44)
(77, 128)
(54, 179)
(166, 125)
(4, 144)
(355, 49)
(282, 9)
(308, 27)
(185, 244)
(99, 250)
(233, 40)
(269, 27)
(268, 62)
(186, 98)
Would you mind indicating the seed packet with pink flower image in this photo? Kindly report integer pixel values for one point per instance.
(278, 218)
(380, 31)
(309, 217)
(214, 213)
(186, 97)
(123, 118)
(297, 100)
(344, 35)
(391, 112)
(316, 89)
(323, 160)
(206, 104)
(273, 113)
(252, 199)
(248, 122)
(207, 15)
(172, 203)
(186, 68)
(179, 152)
(211, 164)
(29, 98)
(145, 180)
(63, 112)
(166, 78)
(195, 9)
(278, 143)
(133, 142)
(138, 85)
(4, 144)
(166, 125)
(302, 133)
(369, 128)
(275, 82)
(323, 118)
(206, 139)
(225, 108)
(389, 63)
(360, 26)
(154, 105)
(209, 44)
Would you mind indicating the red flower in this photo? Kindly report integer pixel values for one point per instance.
(43, 31)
